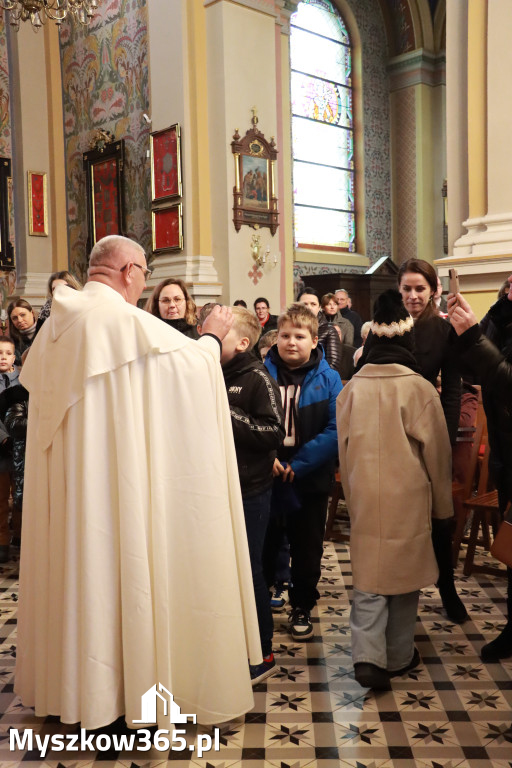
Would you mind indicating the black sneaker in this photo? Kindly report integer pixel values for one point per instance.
(414, 662)
(371, 676)
(301, 627)
(500, 647)
(260, 672)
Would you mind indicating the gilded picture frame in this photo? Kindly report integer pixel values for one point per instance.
(167, 228)
(165, 152)
(37, 203)
(254, 197)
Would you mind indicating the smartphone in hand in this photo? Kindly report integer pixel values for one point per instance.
(454, 281)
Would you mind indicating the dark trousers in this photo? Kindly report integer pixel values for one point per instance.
(257, 511)
(305, 527)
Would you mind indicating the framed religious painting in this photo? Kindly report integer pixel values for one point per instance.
(103, 165)
(37, 204)
(167, 227)
(255, 202)
(6, 245)
(165, 150)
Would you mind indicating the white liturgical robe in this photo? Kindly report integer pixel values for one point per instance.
(134, 562)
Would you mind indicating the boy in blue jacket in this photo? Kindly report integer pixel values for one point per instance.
(304, 467)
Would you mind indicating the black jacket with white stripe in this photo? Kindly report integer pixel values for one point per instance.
(257, 419)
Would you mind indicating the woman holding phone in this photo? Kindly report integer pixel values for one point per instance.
(417, 282)
(489, 357)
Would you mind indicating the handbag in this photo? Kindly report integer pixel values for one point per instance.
(501, 547)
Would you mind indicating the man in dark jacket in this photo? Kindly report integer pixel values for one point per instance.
(343, 301)
(267, 321)
(491, 362)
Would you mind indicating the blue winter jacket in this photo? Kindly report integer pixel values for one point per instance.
(317, 425)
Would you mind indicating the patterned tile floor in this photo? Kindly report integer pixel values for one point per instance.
(452, 711)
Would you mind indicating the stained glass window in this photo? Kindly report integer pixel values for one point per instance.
(322, 127)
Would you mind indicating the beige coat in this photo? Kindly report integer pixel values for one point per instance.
(395, 465)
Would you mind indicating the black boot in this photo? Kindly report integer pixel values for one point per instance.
(442, 541)
(501, 646)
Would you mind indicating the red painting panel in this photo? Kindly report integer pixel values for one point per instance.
(105, 199)
(166, 163)
(37, 204)
(167, 229)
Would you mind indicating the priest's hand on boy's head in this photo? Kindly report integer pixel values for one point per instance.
(218, 322)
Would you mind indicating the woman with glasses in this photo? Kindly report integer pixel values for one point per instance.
(171, 302)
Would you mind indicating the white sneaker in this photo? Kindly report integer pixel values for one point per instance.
(279, 598)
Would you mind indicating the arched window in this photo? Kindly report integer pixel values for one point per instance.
(322, 128)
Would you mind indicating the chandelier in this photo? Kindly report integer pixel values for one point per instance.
(37, 11)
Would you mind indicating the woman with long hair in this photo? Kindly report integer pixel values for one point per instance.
(433, 335)
(172, 303)
(22, 326)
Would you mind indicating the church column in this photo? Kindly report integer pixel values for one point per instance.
(456, 117)
(31, 152)
(243, 70)
(57, 208)
(178, 88)
(483, 254)
(417, 85)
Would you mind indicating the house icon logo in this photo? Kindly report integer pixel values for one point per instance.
(148, 703)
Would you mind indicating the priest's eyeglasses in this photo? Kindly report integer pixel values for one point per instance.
(147, 272)
(176, 301)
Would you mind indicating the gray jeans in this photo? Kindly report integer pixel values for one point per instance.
(382, 629)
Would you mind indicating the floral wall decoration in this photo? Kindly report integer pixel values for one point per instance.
(106, 85)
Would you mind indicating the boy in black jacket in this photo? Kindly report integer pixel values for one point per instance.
(257, 419)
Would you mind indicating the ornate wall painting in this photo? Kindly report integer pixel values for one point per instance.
(37, 204)
(104, 183)
(255, 202)
(167, 228)
(165, 149)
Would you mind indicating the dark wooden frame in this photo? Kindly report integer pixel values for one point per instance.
(6, 248)
(254, 150)
(92, 159)
(154, 141)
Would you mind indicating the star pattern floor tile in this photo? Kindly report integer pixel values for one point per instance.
(452, 711)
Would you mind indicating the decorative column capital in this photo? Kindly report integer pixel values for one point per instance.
(285, 9)
(419, 67)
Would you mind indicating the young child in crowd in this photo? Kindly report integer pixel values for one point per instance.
(258, 430)
(279, 592)
(395, 467)
(304, 467)
(8, 378)
(267, 340)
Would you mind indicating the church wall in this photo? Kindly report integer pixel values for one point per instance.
(105, 85)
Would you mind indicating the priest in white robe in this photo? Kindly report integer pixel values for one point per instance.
(134, 562)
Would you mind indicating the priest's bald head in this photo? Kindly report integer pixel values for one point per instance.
(119, 263)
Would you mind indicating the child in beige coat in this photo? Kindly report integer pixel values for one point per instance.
(395, 467)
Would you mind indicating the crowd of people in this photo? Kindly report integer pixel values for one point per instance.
(175, 501)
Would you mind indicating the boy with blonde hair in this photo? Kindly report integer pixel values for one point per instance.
(257, 421)
(304, 467)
